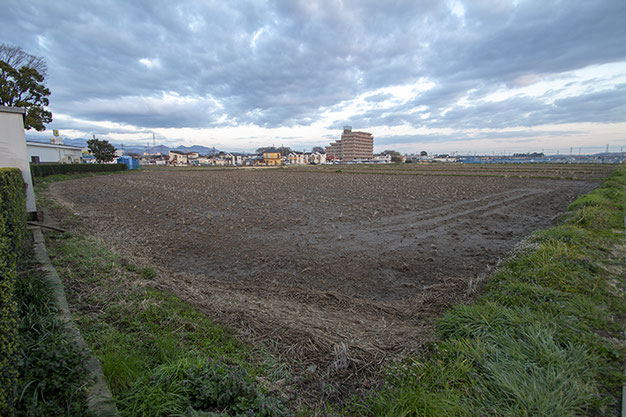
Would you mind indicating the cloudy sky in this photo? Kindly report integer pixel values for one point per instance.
(487, 76)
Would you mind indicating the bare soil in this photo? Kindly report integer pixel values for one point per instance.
(345, 271)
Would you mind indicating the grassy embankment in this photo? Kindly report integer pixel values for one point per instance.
(52, 378)
(544, 338)
(160, 356)
(41, 371)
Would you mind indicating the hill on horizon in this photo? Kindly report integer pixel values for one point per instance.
(139, 149)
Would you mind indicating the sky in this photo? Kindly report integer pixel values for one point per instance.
(476, 76)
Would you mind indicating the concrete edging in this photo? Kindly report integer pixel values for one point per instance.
(99, 399)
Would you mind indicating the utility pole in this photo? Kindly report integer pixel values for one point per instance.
(607, 148)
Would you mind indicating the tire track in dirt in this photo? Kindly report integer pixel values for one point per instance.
(426, 223)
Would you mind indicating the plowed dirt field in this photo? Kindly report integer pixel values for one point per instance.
(344, 270)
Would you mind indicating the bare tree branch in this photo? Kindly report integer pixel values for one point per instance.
(18, 58)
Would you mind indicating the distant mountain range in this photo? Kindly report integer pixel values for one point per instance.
(139, 149)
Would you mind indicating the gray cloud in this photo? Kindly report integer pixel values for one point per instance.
(278, 63)
(512, 137)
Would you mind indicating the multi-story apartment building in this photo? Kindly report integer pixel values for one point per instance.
(352, 145)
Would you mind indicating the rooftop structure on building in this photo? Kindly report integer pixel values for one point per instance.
(352, 145)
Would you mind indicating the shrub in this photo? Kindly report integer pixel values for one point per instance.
(12, 228)
(43, 170)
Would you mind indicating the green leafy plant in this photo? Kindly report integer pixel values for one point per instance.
(44, 170)
(12, 229)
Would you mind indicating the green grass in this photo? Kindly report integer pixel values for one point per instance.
(160, 356)
(544, 339)
(52, 378)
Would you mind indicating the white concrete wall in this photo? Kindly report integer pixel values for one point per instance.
(13, 152)
(49, 153)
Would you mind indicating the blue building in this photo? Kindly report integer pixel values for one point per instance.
(131, 163)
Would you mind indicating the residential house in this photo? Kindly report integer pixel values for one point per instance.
(234, 159)
(317, 158)
(178, 158)
(296, 158)
(383, 158)
(272, 159)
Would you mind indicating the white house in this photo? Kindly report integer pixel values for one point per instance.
(57, 153)
(383, 158)
(317, 158)
(178, 158)
(235, 159)
(13, 152)
(297, 158)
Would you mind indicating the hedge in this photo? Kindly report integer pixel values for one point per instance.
(43, 170)
(12, 229)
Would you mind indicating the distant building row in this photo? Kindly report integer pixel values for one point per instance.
(179, 158)
(353, 147)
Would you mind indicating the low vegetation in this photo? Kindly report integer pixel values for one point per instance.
(44, 170)
(159, 355)
(543, 339)
(12, 229)
(52, 378)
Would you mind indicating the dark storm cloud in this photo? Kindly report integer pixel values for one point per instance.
(279, 63)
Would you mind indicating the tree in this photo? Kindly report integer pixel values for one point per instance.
(22, 85)
(266, 149)
(283, 150)
(102, 150)
(423, 153)
(18, 58)
(319, 149)
(395, 155)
